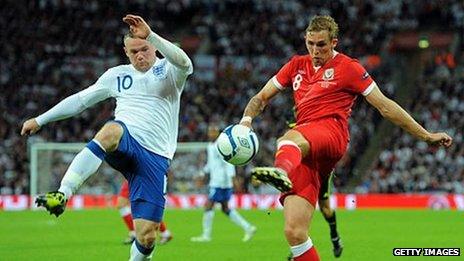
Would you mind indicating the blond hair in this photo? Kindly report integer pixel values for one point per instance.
(127, 36)
(323, 22)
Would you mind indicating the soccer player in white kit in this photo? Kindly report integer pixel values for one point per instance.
(142, 139)
(221, 176)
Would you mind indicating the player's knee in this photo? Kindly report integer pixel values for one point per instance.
(147, 236)
(109, 136)
(326, 211)
(209, 205)
(297, 138)
(122, 202)
(225, 209)
(295, 234)
(148, 240)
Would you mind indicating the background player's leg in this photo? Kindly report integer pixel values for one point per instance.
(235, 217)
(329, 216)
(207, 223)
(123, 205)
(208, 217)
(298, 213)
(165, 233)
(90, 158)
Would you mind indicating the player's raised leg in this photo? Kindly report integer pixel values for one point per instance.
(84, 164)
(298, 213)
(235, 217)
(291, 148)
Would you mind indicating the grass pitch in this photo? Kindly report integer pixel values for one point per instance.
(97, 235)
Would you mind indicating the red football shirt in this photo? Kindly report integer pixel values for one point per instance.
(329, 91)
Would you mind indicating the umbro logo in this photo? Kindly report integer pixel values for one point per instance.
(301, 72)
(365, 75)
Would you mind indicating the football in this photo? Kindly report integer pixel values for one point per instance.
(237, 144)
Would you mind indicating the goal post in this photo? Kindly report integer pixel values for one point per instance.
(49, 161)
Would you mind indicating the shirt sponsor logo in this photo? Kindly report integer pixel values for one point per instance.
(328, 74)
(325, 84)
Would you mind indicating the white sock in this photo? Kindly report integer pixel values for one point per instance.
(83, 166)
(135, 254)
(166, 233)
(124, 211)
(238, 219)
(208, 223)
(300, 249)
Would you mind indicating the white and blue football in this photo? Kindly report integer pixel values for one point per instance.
(237, 144)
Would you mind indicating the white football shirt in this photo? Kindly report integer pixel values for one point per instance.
(220, 172)
(147, 102)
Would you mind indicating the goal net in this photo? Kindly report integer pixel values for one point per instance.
(49, 162)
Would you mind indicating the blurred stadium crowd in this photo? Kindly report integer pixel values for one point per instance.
(51, 49)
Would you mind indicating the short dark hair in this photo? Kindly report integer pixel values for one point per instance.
(127, 36)
(323, 22)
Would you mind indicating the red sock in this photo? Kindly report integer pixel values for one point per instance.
(162, 227)
(288, 156)
(127, 217)
(309, 255)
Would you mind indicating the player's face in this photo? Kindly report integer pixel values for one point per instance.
(141, 53)
(320, 46)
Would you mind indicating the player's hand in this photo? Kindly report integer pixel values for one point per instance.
(440, 138)
(137, 26)
(30, 127)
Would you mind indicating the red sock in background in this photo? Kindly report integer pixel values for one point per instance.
(288, 156)
(162, 227)
(309, 255)
(127, 217)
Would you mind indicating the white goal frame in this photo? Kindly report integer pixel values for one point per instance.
(76, 147)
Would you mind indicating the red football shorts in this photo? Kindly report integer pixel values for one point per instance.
(124, 192)
(328, 139)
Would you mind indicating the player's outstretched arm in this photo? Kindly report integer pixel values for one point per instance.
(70, 106)
(176, 56)
(258, 102)
(396, 114)
(64, 109)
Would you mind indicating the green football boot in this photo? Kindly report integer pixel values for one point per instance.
(54, 202)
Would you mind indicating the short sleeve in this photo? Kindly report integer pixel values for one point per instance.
(99, 91)
(283, 78)
(358, 79)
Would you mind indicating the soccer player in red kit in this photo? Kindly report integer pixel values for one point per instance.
(325, 85)
(123, 204)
